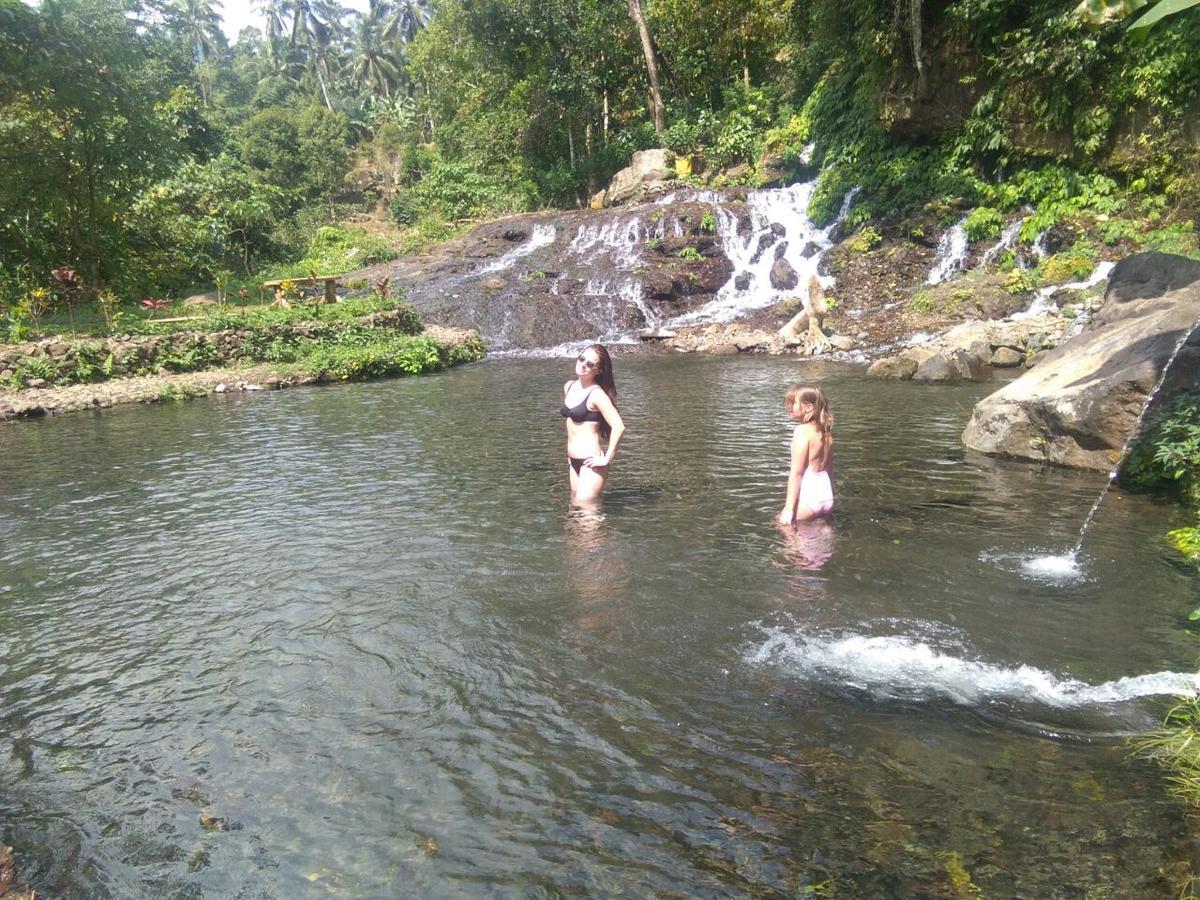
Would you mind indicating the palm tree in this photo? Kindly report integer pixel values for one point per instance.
(371, 65)
(316, 26)
(202, 25)
(276, 22)
(406, 18)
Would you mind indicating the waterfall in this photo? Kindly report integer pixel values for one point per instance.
(621, 239)
(629, 290)
(1008, 237)
(951, 253)
(1043, 302)
(1039, 245)
(541, 237)
(780, 230)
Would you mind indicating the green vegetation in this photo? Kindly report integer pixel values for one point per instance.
(983, 223)
(1167, 454)
(691, 254)
(1074, 264)
(202, 162)
(348, 340)
(865, 241)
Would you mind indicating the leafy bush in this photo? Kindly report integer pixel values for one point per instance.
(1167, 451)
(335, 249)
(408, 355)
(1179, 238)
(1071, 265)
(1187, 542)
(691, 254)
(865, 241)
(1021, 281)
(457, 190)
(984, 223)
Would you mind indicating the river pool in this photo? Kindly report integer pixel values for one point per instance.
(350, 641)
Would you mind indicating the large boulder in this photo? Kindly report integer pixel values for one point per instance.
(648, 170)
(1078, 407)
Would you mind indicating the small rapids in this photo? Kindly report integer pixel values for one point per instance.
(906, 668)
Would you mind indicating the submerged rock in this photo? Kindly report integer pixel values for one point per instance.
(1078, 406)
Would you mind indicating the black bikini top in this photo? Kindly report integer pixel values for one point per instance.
(580, 413)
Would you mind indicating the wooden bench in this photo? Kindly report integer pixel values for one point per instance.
(276, 286)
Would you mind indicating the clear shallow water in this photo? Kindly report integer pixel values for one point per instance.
(358, 628)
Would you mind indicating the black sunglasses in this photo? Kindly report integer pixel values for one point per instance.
(587, 363)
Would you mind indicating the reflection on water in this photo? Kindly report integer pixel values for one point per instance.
(351, 641)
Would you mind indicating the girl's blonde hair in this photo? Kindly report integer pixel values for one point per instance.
(815, 397)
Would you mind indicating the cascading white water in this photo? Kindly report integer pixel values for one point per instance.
(542, 236)
(779, 229)
(629, 291)
(1043, 302)
(621, 239)
(1039, 245)
(951, 253)
(1008, 237)
(907, 668)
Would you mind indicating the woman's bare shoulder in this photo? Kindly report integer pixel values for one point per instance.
(567, 386)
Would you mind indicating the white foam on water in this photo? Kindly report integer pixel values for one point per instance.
(951, 253)
(1055, 568)
(908, 668)
(1065, 566)
(542, 236)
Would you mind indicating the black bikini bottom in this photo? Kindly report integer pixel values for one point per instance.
(576, 464)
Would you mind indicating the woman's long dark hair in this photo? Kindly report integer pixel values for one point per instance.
(604, 378)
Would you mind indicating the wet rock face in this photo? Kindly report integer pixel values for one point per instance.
(541, 279)
(1078, 405)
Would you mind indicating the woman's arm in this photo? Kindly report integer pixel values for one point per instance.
(608, 409)
(799, 463)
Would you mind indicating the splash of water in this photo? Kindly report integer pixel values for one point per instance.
(906, 668)
(542, 236)
(951, 253)
(779, 228)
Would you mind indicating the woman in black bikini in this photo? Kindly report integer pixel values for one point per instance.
(589, 407)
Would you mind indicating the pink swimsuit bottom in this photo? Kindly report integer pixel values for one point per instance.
(816, 491)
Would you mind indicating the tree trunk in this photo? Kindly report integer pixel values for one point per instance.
(635, 12)
(918, 49)
(324, 93)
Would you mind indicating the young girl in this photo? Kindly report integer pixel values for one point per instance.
(809, 489)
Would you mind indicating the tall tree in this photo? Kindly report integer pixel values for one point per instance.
(373, 66)
(656, 103)
(316, 26)
(201, 25)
